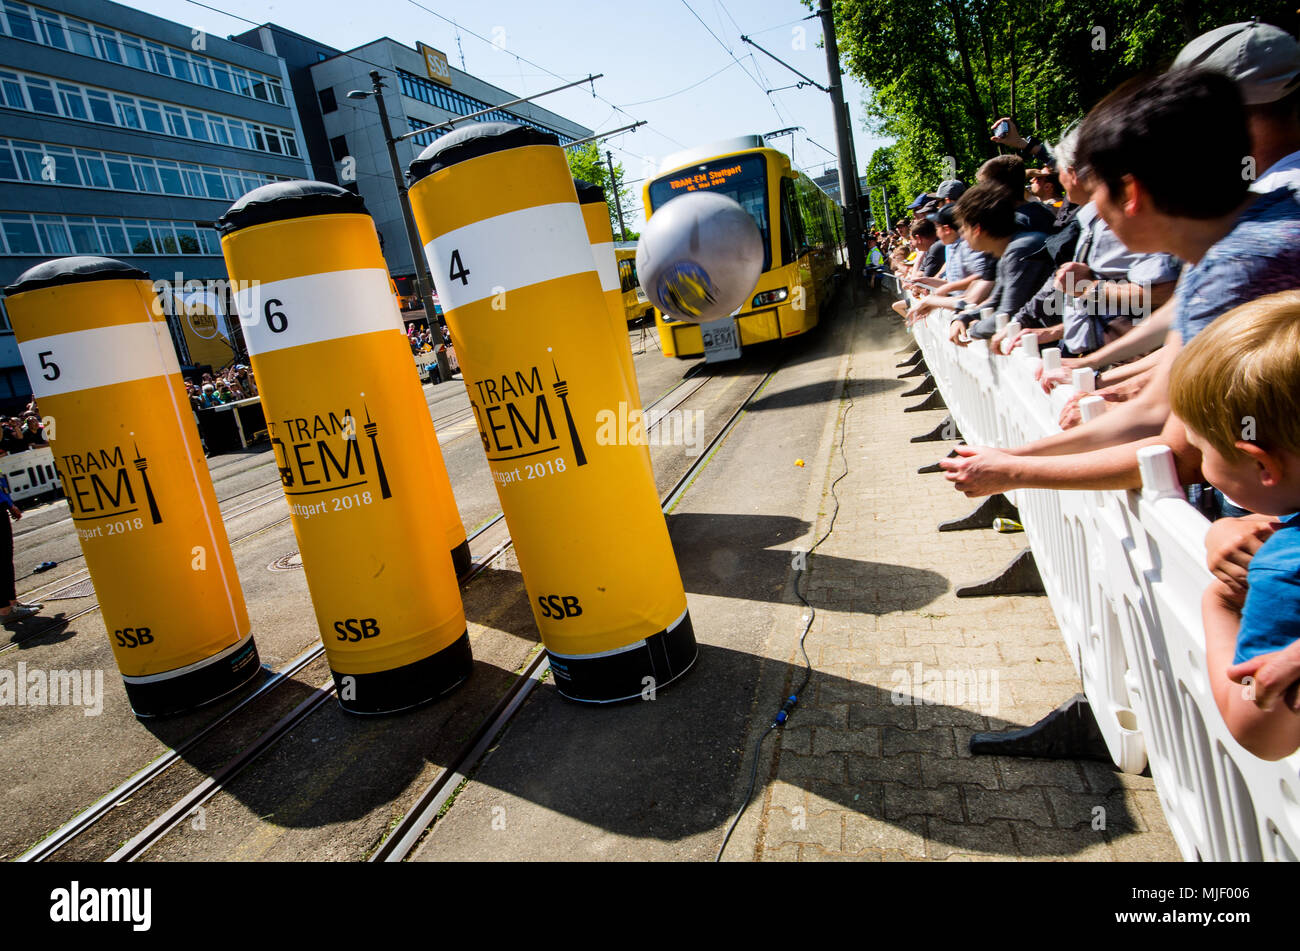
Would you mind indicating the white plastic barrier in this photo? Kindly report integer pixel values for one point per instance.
(1125, 572)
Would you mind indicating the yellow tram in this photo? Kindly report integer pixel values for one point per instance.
(802, 230)
(635, 304)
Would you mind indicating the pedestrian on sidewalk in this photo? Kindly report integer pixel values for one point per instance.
(13, 609)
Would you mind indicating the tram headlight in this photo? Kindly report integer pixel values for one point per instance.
(770, 297)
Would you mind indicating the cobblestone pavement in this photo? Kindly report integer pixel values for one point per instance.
(874, 764)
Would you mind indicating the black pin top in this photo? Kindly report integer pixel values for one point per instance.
(589, 194)
(282, 201)
(78, 270)
(471, 141)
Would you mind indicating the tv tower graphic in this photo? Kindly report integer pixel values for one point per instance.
(142, 465)
(286, 473)
(372, 430)
(561, 388)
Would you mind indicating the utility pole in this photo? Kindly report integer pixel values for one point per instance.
(423, 282)
(618, 204)
(844, 143)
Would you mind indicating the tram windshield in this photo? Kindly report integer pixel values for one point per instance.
(742, 179)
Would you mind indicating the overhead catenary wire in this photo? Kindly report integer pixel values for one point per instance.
(761, 87)
(670, 95)
(524, 59)
(458, 27)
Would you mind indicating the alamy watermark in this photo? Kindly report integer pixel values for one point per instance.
(628, 426)
(920, 685)
(37, 687)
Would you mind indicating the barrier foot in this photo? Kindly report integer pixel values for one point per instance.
(933, 401)
(995, 506)
(945, 431)
(919, 369)
(911, 361)
(1019, 577)
(925, 386)
(1068, 732)
(934, 466)
(912, 347)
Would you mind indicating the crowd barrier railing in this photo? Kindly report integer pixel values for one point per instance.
(1125, 572)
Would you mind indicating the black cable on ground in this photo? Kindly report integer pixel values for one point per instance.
(783, 715)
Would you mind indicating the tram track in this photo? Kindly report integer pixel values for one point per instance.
(691, 384)
(410, 830)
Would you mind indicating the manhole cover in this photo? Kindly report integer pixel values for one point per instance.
(79, 589)
(289, 562)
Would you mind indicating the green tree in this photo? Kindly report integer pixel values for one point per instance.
(588, 163)
(882, 174)
(940, 72)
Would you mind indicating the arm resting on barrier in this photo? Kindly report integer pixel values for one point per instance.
(1269, 734)
(980, 470)
(1144, 415)
(1072, 413)
(1128, 371)
(1146, 336)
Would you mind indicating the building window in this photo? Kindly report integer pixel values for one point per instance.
(327, 101)
(126, 112)
(38, 25)
(22, 233)
(41, 164)
(339, 147)
(435, 94)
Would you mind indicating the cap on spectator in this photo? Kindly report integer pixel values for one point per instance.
(945, 216)
(921, 199)
(953, 188)
(1263, 59)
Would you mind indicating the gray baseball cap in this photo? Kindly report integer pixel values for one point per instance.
(1264, 60)
(952, 188)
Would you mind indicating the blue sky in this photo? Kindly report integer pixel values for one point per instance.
(646, 51)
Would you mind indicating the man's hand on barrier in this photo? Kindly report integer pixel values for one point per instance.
(957, 333)
(1231, 543)
(1051, 379)
(1270, 677)
(1072, 415)
(979, 470)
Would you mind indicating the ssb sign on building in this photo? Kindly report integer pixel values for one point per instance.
(435, 62)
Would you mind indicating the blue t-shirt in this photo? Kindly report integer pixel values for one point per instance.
(1260, 255)
(1270, 619)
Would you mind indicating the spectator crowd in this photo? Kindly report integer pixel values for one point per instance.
(227, 386)
(1156, 243)
(19, 433)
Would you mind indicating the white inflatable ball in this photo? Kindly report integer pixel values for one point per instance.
(699, 257)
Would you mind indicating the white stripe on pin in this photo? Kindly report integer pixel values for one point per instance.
(510, 251)
(607, 266)
(100, 356)
(313, 308)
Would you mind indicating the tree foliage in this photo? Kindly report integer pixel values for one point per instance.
(588, 163)
(940, 72)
